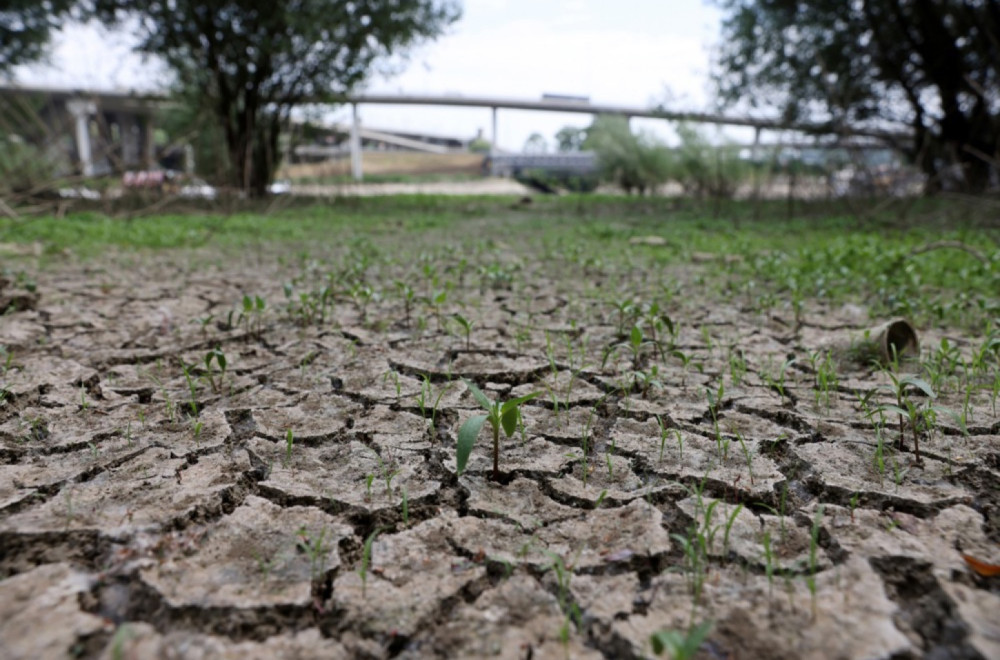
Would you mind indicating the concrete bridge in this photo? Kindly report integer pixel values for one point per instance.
(114, 131)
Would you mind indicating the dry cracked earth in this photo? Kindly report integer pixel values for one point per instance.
(146, 512)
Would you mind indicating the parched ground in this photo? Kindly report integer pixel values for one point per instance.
(298, 497)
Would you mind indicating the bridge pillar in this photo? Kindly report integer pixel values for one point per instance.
(82, 109)
(493, 136)
(356, 170)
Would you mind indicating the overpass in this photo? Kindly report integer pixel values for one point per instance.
(136, 110)
(581, 105)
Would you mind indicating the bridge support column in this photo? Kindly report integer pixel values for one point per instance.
(356, 169)
(82, 109)
(493, 135)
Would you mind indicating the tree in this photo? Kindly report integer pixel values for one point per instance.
(25, 29)
(932, 66)
(570, 138)
(634, 162)
(536, 144)
(252, 62)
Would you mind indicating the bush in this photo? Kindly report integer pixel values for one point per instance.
(706, 170)
(24, 168)
(633, 161)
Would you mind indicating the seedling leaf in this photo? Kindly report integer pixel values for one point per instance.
(508, 420)
(481, 398)
(920, 384)
(466, 439)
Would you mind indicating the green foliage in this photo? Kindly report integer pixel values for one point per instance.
(23, 167)
(570, 139)
(480, 146)
(704, 169)
(633, 161)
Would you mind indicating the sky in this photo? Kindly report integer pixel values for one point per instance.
(628, 52)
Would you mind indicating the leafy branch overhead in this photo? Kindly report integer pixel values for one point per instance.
(929, 67)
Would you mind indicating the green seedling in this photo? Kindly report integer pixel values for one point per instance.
(826, 377)
(680, 646)
(853, 504)
(192, 384)
(369, 479)
(906, 408)
(466, 326)
(569, 608)
(729, 526)
(395, 381)
(500, 415)
(215, 355)
(777, 382)
(316, 549)
(664, 431)
(252, 315)
(746, 455)
(628, 313)
(737, 366)
(408, 296)
(366, 560)
(660, 322)
(6, 360)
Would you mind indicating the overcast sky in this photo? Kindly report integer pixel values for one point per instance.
(628, 52)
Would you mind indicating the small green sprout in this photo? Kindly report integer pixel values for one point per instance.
(466, 326)
(219, 358)
(366, 560)
(680, 646)
(499, 415)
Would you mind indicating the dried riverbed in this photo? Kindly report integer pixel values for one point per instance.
(301, 499)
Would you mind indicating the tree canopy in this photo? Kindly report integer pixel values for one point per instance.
(25, 29)
(931, 66)
(633, 161)
(251, 62)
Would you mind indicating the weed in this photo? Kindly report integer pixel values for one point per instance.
(680, 646)
(737, 366)
(215, 355)
(746, 455)
(569, 608)
(315, 549)
(905, 406)
(500, 415)
(366, 560)
(252, 316)
(466, 326)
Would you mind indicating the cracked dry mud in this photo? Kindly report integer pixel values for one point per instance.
(141, 519)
